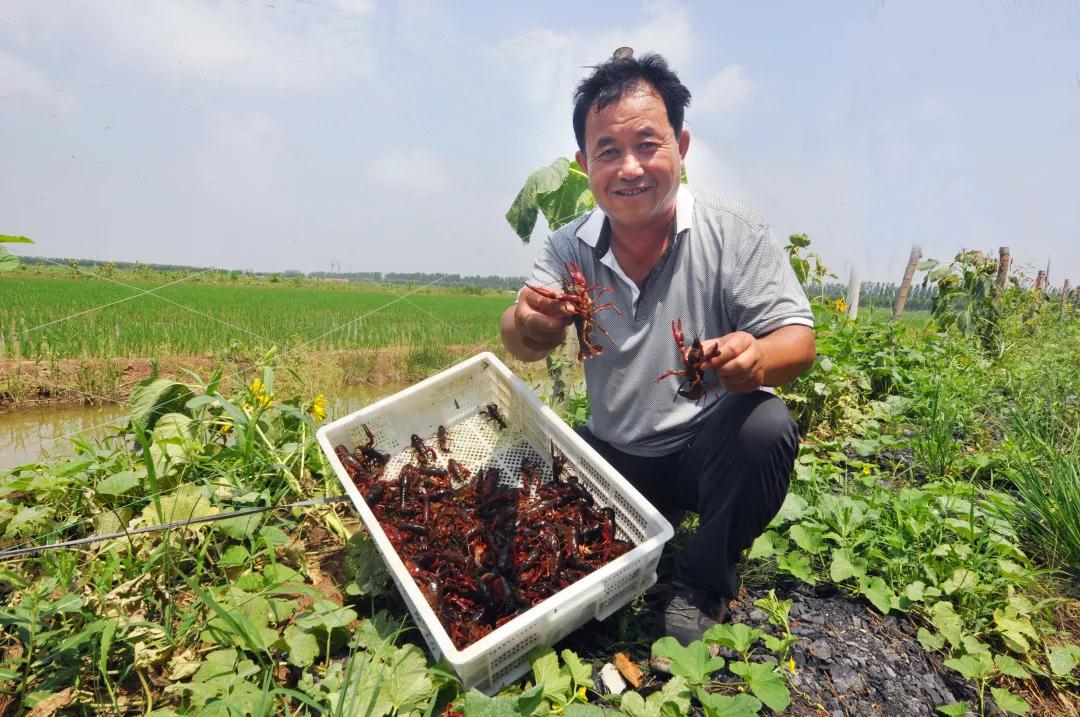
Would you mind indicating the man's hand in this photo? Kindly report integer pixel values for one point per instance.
(744, 363)
(739, 363)
(535, 325)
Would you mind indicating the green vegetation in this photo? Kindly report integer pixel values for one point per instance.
(937, 479)
(109, 319)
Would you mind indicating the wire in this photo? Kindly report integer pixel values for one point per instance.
(16, 552)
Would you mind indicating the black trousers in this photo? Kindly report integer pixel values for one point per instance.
(734, 474)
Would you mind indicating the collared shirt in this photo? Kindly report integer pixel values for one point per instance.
(721, 272)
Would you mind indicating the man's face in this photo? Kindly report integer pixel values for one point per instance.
(633, 159)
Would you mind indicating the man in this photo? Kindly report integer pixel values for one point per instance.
(672, 254)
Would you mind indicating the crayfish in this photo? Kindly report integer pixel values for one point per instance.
(578, 293)
(694, 359)
(482, 552)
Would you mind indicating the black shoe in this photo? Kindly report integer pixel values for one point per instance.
(689, 613)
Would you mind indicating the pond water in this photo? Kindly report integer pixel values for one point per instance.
(44, 432)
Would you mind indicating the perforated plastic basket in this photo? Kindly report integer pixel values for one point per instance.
(455, 398)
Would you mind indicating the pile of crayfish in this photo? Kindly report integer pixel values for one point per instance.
(482, 552)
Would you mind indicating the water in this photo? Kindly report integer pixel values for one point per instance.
(42, 433)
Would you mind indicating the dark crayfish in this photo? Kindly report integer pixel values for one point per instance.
(583, 298)
(483, 552)
(694, 359)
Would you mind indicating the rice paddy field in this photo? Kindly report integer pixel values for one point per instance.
(167, 317)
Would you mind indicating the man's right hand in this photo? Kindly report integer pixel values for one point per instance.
(535, 325)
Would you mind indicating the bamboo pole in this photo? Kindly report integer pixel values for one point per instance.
(905, 285)
(1005, 259)
(1040, 280)
(853, 294)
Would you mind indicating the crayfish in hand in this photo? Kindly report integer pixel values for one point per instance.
(694, 360)
(578, 293)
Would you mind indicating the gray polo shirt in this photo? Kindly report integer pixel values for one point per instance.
(722, 272)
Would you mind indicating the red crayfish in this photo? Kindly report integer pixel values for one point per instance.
(692, 374)
(578, 293)
(482, 552)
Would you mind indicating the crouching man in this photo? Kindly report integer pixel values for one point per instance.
(672, 254)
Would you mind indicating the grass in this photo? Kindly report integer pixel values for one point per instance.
(331, 316)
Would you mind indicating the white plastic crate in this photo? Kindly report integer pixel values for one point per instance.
(455, 398)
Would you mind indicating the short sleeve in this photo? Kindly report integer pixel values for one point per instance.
(763, 292)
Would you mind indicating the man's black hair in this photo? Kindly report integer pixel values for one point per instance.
(612, 80)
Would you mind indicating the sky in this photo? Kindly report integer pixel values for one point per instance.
(297, 134)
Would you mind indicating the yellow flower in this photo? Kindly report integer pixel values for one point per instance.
(581, 693)
(224, 427)
(840, 305)
(318, 407)
(259, 395)
(791, 665)
(866, 470)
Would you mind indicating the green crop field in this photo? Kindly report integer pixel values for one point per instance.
(108, 319)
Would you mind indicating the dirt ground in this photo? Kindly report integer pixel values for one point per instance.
(110, 381)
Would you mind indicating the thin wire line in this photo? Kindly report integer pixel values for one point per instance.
(111, 303)
(166, 299)
(15, 552)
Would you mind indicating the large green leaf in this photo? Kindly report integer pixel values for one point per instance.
(8, 262)
(728, 706)
(560, 190)
(9, 239)
(153, 398)
(766, 684)
(692, 662)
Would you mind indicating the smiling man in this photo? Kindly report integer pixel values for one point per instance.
(675, 254)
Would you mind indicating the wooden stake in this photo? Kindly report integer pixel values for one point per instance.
(905, 285)
(1065, 290)
(1040, 280)
(853, 295)
(1003, 266)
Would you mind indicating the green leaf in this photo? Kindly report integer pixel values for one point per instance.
(530, 699)
(118, 483)
(241, 527)
(586, 710)
(798, 565)
(973, 667)
(845, 565)
(1009, 702)
(560, 189)
(914, 591)
(1011, 667)
(954, 709)
(877, 592)
(1064, 659)
(929, 640)
(947, 622)
(809, 539)
(580, 673)
(28, 521)
(186, 502)
(477, 704)
(725, 706)
(154, 397)
(692, 662)
(11, 239)
(766, 545)
(233, 556)
(546, 672)
(1015, 629)
(736, 636)
(766, 684)
(303, 646)
(962, 579)
(216, 664)
(793, 508)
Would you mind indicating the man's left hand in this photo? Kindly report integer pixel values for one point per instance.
(740, 362)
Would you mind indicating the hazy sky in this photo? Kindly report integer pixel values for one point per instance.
(393, 136)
